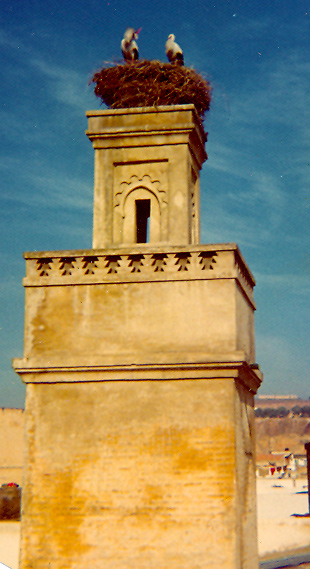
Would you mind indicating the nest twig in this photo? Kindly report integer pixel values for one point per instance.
(150, 84)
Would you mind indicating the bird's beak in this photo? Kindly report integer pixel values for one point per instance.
(138, 31)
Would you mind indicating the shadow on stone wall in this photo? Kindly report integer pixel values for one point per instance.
(10, 501)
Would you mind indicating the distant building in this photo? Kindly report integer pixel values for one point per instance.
(277, 397)
(275, 401)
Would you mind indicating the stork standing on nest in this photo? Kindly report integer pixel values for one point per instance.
(173, 51)
(128, 45)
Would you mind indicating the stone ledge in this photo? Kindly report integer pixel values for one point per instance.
(173, 117)
(249, 375)
(147, 126)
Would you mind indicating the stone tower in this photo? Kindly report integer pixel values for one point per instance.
(140, 370)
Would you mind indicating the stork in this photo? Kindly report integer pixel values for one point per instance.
(128, 45)
(173, 51)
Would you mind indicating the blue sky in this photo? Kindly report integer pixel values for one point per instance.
(255, 185)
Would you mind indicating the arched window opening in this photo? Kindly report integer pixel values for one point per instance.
(143, 212)
(141, 219)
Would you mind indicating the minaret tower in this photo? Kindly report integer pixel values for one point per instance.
(147, 166)
(139, 362)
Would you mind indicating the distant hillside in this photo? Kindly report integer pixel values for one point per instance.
(282, 422)
(277, 434)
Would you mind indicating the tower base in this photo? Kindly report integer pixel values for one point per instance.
(140, 376)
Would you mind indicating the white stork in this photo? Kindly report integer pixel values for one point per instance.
(173, 51)
(128, 45)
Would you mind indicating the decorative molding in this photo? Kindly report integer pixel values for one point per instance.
(138, 264)
(240, 371)
(135, 183)
(110, 264)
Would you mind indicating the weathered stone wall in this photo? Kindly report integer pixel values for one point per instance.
(245, 478)
(138, 305)
(12, 423)
(136, 474)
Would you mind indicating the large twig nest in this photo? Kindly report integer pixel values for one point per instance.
(150, 84)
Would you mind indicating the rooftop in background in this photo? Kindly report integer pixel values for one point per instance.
(287, 401)
(277, 397)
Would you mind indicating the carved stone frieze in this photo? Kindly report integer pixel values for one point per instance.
(134, 183)
(138, 264)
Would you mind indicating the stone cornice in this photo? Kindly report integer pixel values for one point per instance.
(139, 264)
(248, 375)
(175, 124)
